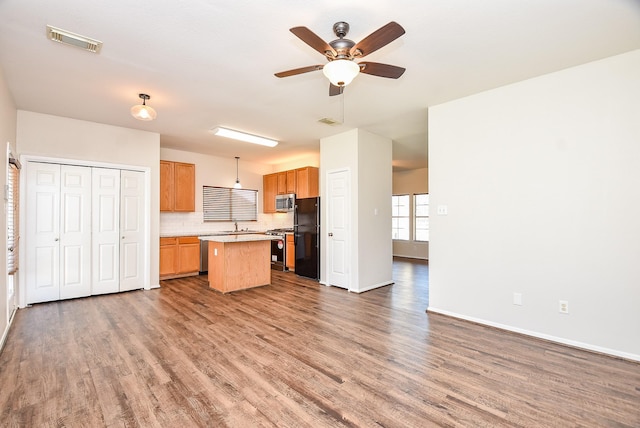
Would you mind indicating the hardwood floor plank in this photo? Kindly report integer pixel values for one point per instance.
(296, 354)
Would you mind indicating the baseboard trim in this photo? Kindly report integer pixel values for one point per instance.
(550, 338)
(372, 287)
(5, 333)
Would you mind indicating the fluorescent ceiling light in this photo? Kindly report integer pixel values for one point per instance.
(237, 135)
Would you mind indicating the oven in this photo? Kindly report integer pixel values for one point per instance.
(278, 249)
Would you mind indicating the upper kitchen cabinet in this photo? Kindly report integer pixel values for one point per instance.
(177, 186)
(307, 185)
(301, 181)
(269, 190)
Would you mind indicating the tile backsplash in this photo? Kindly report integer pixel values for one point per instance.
(174, 224)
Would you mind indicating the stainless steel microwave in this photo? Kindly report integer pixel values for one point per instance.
(285, 203)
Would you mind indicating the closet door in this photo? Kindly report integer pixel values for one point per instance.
(42, 269)
(75, 231)
(132, 229)
(105, 215)
(58, 232)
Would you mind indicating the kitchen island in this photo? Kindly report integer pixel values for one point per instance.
(238, 262)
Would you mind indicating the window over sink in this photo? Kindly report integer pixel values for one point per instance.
(229, 204)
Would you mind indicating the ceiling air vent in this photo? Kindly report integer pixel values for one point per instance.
(69, 38)
(329, 121)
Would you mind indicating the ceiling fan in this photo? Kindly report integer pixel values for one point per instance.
(342, 53)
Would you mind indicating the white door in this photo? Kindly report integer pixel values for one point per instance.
(75, 231)
(132, 230)
(338, 225)
(58, 234)
(105, 214)
(42, 269)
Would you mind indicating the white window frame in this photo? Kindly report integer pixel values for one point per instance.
(398, 217)
(417, 216)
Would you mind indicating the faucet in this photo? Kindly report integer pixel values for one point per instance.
(236, 223)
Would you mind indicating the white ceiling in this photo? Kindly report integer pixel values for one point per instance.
(211, 63)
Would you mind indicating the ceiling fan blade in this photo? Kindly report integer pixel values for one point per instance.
(379, 38)
(313, 40)
(299, 71)
(335, 90)
(382, 70)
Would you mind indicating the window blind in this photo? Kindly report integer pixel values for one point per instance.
(13, 184)
(228, 204)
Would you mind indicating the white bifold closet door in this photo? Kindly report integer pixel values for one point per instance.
(85, 231)
(118, 230)
(58, 232)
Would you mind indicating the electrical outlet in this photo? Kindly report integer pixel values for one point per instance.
(443, 210)
(564, 307)
(517, 299)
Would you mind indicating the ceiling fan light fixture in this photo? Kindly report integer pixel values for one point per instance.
(143, 111)
(341, 72)
(242, 136)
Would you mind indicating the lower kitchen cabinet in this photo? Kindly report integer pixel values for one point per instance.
(179, 256)
(290, 252)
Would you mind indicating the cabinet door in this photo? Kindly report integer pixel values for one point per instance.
(282, 183)
(307, 185)
(188, 254)
(291, 181)
(291, 253)
(168, 256)
(269, 191)
(184, 187)
(167, 190)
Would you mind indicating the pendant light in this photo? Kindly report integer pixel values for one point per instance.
(143, 111)
(237, 185)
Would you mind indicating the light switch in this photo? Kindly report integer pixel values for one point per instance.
(442, 210)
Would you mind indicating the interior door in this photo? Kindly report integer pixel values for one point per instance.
(42, 271)
(338, 211)
(105, 214)
(132, 230)
(75, 231)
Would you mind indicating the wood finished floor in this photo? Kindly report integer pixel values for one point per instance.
(295, 354)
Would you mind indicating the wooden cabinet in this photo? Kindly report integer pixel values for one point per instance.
(307, 185)
(179, 256)
(188, 254)
(177, 186)
(269, 192)
(301, 181)
(290, 252)
(291, 181)
(168, 256)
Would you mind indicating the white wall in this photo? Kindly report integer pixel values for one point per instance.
(8, 114)
(368, 159)
(541, 183)
(409, 183)
(59, 137)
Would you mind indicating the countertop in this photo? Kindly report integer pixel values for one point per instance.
(248, 237)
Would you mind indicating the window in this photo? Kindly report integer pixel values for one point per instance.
(227, 204)
(400, 217)
(421, 216)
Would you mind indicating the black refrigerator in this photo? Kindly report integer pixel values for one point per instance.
(306, 233)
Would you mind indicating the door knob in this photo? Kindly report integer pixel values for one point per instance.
(57, 239)
(330, 234)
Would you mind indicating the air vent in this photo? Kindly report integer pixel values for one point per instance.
(329, 121)
(69, 38)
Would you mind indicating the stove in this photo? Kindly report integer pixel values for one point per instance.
(279, 232)
(278, 248)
